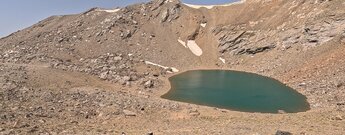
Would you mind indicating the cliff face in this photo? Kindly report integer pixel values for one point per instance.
(127, 54)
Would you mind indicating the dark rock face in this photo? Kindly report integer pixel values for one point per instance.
(233, 39)
(241, 39)
(256, 49)
(170, 13)
(167, 10)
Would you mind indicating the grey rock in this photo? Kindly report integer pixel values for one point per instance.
(164, 15)
(117, 58)
(194, 112)
(104, 75)
(126, 78)
(149, 84)
(224, 47)
(155, 74)
(128, 83)
(338, 117)
(122, 82)
(129, 113)
(230, 39)
(134, 77)
(339, 84)
(158, 4)
(256, 50)
(174, 12)
(302, 84)
(313, 39)
(126, 34)
(60, 40)
(279, 132)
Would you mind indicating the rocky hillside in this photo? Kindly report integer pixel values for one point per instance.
(103, 71)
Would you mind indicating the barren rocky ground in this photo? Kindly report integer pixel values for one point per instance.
(103, 71)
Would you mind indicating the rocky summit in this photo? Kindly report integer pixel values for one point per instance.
(103, 71)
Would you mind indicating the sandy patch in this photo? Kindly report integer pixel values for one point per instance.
(182, 43)
(193, 46)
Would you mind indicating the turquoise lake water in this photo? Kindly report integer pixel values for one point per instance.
(235, 90)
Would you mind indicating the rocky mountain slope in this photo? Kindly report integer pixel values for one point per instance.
(103, 71)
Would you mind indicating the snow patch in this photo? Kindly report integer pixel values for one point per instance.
(221, 59)
(212, 6)
(199, 6)
(203, 25)
(109, 10)
(193, 46)
(175, 70)
(182, 43)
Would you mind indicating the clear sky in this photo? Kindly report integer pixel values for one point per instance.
(18, 14)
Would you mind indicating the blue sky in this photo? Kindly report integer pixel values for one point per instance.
(18, 14)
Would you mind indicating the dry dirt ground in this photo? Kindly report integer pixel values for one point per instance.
(96, 72)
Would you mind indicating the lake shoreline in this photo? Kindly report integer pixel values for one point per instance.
(252, 76)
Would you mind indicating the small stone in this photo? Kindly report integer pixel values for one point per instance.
(194, 112)
(339, 85)
(41, 121)
(73, 122)
(129, 113)
(281, 112)
(313, 40)
(148, 84)
(156, 74)
(117, 58)
(149, 133)
(134, 77)
(103, 75)
(340, 104)
(283, 133)
(302, 84)
(123, 82)
(164, 15)
(338, 117)
(60, 40)
(128, 83)
(126, 78)
(128, 34)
